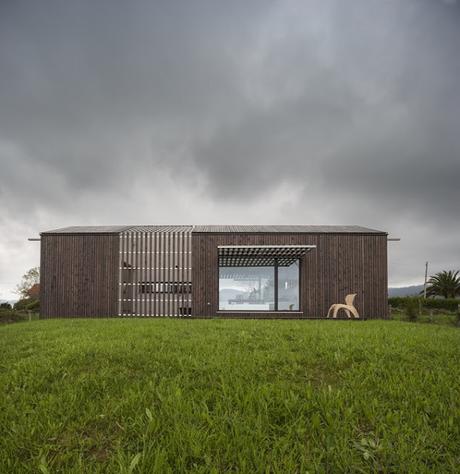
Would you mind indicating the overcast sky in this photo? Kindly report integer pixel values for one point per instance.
(207, 112)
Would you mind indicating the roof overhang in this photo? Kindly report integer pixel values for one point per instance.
(261, 255)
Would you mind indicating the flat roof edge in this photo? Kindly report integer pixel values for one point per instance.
(370, 232)
(79, 233)
(93, 230)
(286, 229)
(223, 230)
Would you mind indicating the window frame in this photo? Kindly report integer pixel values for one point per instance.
(275, 296)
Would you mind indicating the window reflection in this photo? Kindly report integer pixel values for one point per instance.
(288, 287)
(253, 288)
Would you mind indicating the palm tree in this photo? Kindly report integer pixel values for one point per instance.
(446, 283)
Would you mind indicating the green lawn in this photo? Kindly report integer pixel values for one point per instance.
(229, 396)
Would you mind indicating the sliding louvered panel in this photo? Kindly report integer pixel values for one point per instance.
(154, 271)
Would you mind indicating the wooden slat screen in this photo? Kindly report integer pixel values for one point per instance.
(155, 273)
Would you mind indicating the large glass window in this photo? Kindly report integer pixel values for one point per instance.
(246, 288)
(252, 288)
(288, 287)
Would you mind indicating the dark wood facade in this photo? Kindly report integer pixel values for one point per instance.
(79, 275)
(149, 270)
(120, 271)
(342, 263)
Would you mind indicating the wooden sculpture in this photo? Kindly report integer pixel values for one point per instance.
(348, 307)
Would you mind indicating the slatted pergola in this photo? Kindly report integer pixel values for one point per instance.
(261, 255)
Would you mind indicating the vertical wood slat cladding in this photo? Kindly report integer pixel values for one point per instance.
(340, 264)
(79, 275)
(158, 262)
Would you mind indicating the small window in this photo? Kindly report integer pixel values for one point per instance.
(147, 287)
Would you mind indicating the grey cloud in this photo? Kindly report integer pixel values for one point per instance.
(377, 129)
(77, 77)
(313, 112)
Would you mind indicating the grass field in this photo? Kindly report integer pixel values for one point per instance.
(163, 396)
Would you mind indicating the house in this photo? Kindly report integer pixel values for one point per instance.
(231, 271)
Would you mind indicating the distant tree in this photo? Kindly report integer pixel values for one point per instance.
(30, 283)
(34, 291)
(5, 306)
(446, 284)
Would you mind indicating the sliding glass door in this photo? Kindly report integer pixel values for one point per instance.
(288, 287)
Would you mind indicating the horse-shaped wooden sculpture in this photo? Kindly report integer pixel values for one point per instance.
(348, 307)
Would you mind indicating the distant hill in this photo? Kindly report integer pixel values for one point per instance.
(405, 291)
(229, 294)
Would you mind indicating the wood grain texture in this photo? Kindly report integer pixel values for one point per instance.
(341, 264)
(79, 275)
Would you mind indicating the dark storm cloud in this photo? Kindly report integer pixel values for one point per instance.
(292, 111)
(78, 79)
(377, 110)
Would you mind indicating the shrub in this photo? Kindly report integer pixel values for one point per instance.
(20, 305)
(412, 308)
(31, 304)
(11, 316)
(450, 304)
